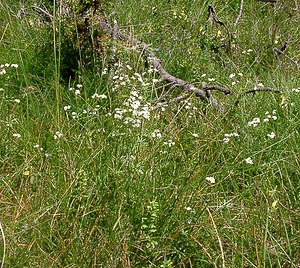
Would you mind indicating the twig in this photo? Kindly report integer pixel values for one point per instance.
(218, 237)
(202, 246)
(239, 15)
(212, 14)
(254, 90)
(47, 16)
(4, 246)
(216, 87)
(281, 52)
(164, 104)
(268, 1)
(163, 95)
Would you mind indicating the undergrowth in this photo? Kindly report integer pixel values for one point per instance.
(90, 176)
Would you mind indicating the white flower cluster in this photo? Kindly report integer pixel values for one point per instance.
(41, 149)
(249, 161)
(57, 135)
(7, 65)
(270, 117)
(233, 77)
(156, 134)
(135, 112)
(254, 123)
(190, 108)
(169, 143)
(248, 51)
(271, 135)
(76, 90)
(211, 180)
(227, 136)
(17, 135)
(99, 96)
(120, 78)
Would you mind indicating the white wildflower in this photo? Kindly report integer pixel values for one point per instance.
(226, 140)
(260, 85)
(57, 135)
(169, 143)
(255, 122)
(249, 161)
(211, 179)
(271, 135)
(67, 107)
(156, 134)
(17, 135)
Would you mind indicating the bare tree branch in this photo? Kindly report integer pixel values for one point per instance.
(164, 104)
(239, 14)
(213, 15)
(254, 90)
(164, 75)
(281, 52)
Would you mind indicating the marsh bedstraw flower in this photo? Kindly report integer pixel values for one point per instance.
(249, 161)
(211, 180)
(169, 143)
(156, 134)
(17, 135)
(271, 135)
(254, 123)
(57, 135)
(227, 136)
(67, 107)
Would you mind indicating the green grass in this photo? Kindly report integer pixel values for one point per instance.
(107, 193)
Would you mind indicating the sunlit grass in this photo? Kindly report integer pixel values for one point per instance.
(91, 177)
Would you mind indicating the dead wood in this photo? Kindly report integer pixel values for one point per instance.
(255, 90)
(281, 51)
(165, 76)
(212, 16)
(239, 14)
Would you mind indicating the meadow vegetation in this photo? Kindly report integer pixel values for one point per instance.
(90, 176)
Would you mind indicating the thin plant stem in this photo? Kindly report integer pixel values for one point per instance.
(4, 246)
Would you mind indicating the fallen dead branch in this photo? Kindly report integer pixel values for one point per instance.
(204, 92)
(164, 75)
(255, 90)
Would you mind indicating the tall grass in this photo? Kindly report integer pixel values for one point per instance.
(90, 178)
